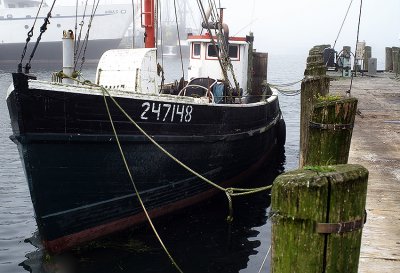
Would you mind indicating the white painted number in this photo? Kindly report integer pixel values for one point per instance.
(163, 111)
(180, 112)
(147, 105)
(188, 116)
(156, 111)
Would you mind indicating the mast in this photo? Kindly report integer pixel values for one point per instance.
(148, 24)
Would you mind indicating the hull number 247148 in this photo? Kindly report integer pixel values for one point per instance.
(168, 112)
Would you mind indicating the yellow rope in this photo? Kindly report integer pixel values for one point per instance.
(243, 191)
(228, 191)
(136, 190)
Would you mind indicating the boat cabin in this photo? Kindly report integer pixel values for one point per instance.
(204, 58)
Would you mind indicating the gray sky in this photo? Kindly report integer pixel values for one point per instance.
(282, 26)
(285, 26)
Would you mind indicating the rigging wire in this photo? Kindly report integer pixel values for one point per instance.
(179, 38)
(133, 24)
(160, 68)
(224, 72)
(355, 55)
(224, 46)
(214, 11)
(344, 19)
(30, 34)
(86, 41)
(78, 41)
(43, 29)
(203, 18)
(161, 33)
(76, 26)
(252, 14)
(249, 24)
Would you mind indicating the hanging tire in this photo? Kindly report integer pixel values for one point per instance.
(281, 135)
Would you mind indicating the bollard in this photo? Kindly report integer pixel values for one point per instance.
(317, 219)
(331, 127)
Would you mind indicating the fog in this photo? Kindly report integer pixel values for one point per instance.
(291, 26)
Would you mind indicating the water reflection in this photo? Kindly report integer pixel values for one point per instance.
(200, 239)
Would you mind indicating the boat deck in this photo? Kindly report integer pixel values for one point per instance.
(376, 146)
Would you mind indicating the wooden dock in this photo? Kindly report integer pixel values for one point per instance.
(376, 146)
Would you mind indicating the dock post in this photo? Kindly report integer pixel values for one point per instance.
(317, 219)
(314, 84)
(330, 131)
(260, 67)
(395, 56)
(367, 56)
(388, 59)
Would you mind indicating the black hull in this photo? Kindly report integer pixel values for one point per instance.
(78, 183)
(52, 51)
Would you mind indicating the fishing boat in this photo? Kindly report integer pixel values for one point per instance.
(220, 125)
(107, 23)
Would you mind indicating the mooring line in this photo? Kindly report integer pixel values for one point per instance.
(135, 188)
(230, 192)
(242, 190)
(265, 259)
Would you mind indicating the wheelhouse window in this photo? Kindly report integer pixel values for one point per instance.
(196, 50)
(234, 52)
(211, 52)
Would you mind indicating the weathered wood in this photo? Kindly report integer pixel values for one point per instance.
(315, 84)
(250, 64)
(367, 56)
(388, 59)
(395, 58)
(330, 132)
(303, 198)
(260, 67)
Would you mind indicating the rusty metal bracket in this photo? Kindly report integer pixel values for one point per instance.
(327, 228)
(323, 126)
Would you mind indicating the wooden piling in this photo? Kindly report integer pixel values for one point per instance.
(388, 59)
(367, 56)
(317, 219)
(395, 58)
(315, 84)
(331, 127)
(250, 64)
(260, 67)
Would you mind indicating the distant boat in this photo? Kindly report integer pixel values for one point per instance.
(110, 23)
(222, 124)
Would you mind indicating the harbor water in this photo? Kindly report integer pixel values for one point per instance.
(199, 238)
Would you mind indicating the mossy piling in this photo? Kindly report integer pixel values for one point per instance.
(317, 219)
